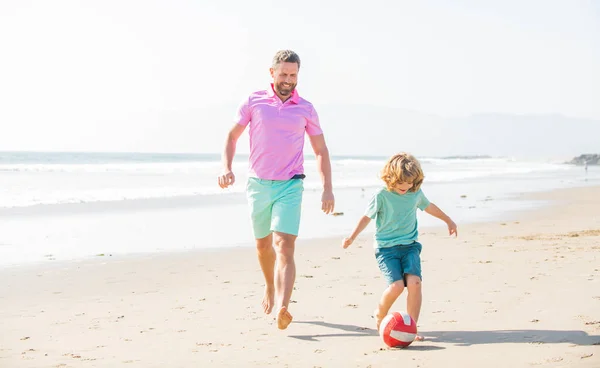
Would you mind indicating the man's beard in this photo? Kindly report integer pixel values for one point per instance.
(285, 91)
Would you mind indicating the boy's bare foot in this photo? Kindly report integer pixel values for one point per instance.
(268, 299)
(378, 317)
(284, 318)
(419, 338)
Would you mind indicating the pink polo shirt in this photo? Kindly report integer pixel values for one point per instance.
(277, 133)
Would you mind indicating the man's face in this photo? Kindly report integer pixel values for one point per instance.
(285, 78)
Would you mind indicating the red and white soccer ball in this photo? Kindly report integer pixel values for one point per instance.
(398, 329)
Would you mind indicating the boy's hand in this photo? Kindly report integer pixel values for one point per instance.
(452, 228)
(347, 242)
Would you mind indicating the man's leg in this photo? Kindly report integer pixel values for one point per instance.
(260, 201)
(285, 276)
(266, 259)
(285, 224)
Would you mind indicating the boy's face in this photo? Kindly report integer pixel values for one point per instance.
(402, 188)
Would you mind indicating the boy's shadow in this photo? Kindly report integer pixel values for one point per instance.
(464, 338)
(351, 331)
(468, 338)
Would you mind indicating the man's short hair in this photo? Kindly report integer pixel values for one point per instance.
(285, 56)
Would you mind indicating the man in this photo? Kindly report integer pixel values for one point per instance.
(278, 118)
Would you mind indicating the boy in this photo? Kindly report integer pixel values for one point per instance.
(396, 247)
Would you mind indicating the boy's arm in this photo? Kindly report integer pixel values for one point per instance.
(435, 211)
(362, 224)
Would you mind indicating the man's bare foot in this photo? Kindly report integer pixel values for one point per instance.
(284, 318)
(419, 338)
(268, 299)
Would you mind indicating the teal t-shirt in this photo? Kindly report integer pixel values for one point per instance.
(395, 216)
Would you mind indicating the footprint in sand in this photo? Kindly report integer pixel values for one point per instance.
(554, 360)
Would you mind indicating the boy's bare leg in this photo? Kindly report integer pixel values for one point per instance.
(266, 258)
(414, 299)
(285, 276)
(387, 300)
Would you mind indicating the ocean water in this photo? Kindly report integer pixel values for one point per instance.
(73, 205)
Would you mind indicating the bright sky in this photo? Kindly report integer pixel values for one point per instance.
(165, 75)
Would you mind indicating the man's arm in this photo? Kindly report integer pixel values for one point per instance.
(227, 177)
(324, 167)
(230, 144)
(323, 163)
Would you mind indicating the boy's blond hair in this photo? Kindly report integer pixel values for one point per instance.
(402, 168)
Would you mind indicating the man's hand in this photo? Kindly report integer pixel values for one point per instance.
(452, 228)
(327, 201)
(226, 179)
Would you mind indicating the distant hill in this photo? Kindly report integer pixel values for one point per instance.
(350, 130)
(381, 130)
(590, 159)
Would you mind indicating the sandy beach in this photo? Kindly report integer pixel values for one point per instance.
(518, 293)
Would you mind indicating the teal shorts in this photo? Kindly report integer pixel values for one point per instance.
(399, 260)
(275, 205)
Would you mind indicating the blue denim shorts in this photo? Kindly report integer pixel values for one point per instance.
(399, 260)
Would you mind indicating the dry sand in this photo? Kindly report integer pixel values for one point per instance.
(519, 293)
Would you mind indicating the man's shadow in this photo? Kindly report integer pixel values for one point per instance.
(351, 330)
(464, 338)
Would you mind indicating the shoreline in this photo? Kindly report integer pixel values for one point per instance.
(537, 201)
(544, 200)
(76, 232)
